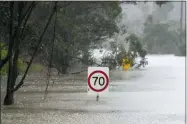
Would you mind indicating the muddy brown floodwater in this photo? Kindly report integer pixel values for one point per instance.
(154, 95)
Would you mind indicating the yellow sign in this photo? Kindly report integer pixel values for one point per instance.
(126, 64)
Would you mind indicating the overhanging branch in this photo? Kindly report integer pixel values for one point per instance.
(51, 57)
(34, 54)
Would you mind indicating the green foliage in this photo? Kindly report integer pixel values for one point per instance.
(161, 13)
(160, 39)
(4, 70)
(36, 68)
(79, 25)
(3, 53)
(21, 65)
(162, 36)
(120, 54)
(136, 46)
(113, 46)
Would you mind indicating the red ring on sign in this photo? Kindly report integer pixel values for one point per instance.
(98, 90)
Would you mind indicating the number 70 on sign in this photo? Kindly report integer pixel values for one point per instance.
(98, 80)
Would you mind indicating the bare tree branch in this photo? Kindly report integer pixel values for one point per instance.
(34, 54)
(51, 58)
(22, 18)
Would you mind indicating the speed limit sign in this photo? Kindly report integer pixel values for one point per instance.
(98, 80)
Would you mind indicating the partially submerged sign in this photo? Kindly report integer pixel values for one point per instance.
(98, 80)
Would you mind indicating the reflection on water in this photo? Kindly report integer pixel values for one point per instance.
(154, 95)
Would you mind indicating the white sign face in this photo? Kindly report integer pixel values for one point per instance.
(98, 80)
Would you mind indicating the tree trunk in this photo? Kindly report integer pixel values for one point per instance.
(13, 54)
(9, 98)
(15, 68)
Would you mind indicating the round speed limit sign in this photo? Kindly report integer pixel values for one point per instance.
(98, 79)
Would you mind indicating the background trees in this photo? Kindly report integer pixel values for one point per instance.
(160, 38)
(32, 29)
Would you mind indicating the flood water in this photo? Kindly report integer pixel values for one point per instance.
(154, 95)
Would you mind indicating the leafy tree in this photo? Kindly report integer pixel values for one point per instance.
(136, 48)
(161, 12)
(82, 24)
(161, 39)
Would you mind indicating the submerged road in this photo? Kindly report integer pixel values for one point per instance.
(154, 95)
